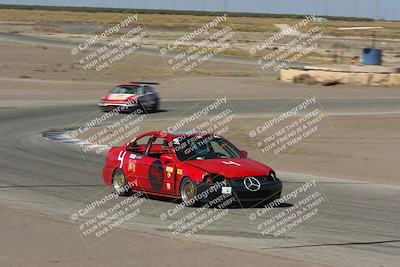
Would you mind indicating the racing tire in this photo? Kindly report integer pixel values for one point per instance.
(155, 106)
(120, 183)
(103, 109)
(188, 191)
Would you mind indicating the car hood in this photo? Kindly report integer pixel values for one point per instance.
(120, 96)
(232, 168)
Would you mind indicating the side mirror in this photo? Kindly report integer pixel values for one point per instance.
(166, 158)
(244, 153)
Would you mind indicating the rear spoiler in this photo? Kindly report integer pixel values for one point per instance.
(150, 83)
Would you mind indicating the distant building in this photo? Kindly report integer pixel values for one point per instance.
(320, 19)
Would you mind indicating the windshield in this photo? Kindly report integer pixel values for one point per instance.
(126, 90)
(203, 147)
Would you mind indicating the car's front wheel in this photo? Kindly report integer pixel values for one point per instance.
(120, 183)
(188, 192)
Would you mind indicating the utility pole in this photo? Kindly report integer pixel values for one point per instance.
(172, 4)
(356, 8)
(395, 17)
(316, 7)
(378, 9)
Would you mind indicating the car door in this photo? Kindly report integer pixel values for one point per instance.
(169, 177)
(148, 98)
(143, 98)
(135, 163)
(169, 168)
(160, 175)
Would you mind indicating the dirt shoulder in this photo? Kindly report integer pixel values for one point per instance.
(360, 148)
(40, 240)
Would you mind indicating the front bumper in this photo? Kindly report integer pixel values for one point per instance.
(268, 191)
(109, 106)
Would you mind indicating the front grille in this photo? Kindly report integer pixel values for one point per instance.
(261, 179)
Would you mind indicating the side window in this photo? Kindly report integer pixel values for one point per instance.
(143, 141)
(160, 141)
(148, 89)
(159, 147)
(139, 146)
(140, 90)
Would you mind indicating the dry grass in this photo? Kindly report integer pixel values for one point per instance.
(188, 22)
(240, 52)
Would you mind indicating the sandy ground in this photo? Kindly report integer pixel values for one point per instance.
(363, 148)
(30, 244)
(33, 73)
(77, 26)
(353, 148)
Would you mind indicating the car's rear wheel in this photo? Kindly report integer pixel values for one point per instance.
(120, 183)
(155, 106)
(188, 192)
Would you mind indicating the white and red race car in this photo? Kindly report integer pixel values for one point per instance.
(131, 96)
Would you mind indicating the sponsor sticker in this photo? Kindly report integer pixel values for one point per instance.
(134, 156)
(226, 190)
(131, 165)
(117, 97)
(169, 170)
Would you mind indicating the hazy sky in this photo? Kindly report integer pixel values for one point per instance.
(389, 9)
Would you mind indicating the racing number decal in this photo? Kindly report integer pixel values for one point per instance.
(121, 158)
(156, 175)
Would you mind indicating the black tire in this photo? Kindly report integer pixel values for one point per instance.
(120, 183)
(155, 106)
(187, 195)
(103, 109)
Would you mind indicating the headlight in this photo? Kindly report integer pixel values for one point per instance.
(273, 175)
(211, 179)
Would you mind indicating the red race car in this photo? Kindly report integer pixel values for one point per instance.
(183, 165)
(131, 96)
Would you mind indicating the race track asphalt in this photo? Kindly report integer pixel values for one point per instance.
(358, 226)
